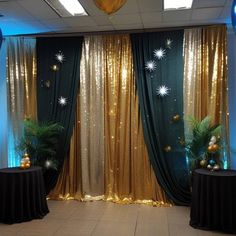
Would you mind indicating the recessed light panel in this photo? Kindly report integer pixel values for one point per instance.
(67, 8)
(177, 4)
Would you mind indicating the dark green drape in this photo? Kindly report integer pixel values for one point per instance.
(63, 82)
(157, 112)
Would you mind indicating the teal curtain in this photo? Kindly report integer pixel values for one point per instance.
(55, 82)
(162, 117)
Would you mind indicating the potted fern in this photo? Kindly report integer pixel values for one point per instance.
(203, 149)
(40, 142)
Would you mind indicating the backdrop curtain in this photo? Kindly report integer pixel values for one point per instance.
(21, 85)
(62, 81)
(205, 78)
(128, 174)
(111, 154)
(162, 135)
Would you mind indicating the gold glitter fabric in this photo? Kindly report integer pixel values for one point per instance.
(205, 76)
(111, 155)
(21, 83)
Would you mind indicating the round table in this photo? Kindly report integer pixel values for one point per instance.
(22, 195)
(213, 205)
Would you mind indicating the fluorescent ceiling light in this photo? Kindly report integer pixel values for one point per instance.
(67, 8)
(73, 7)
(177, 4)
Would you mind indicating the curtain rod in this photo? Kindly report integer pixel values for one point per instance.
(111, 32)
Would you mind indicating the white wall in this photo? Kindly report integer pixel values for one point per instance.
(232, 93)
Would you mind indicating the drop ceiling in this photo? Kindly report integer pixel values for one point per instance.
(36, 17)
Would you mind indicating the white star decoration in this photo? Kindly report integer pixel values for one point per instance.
(159, 53)
(151, 65)
(162, 91)
(62, 101)
(168, 43)
(60, 57)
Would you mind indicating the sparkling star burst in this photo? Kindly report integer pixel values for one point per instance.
(60, 57)
(151, 66)
(159, 53)
(62, 101)
(163, 91)
(169, 43)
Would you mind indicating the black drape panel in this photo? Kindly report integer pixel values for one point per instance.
(63, 82)
(157, 112)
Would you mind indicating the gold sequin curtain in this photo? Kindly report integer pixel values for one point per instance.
(92, 116)
(193, 100)
(21, 85)
(109, 146)
(205, 75)
(128, 174)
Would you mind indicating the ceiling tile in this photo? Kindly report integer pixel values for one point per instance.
(79, 21)
(39, 9)
(208, 3)
(129, 7)
(173, 16)
(226, 13)
(229, 3)
(128, 26)
(102, 20)
(151, 17)
(55, 23)
(126, 19)
(87, 29)
(12, 10)
(150, 5)
(206, 13)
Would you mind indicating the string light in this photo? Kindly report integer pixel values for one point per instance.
(159, 53)
(169, 43)
(151, 65)
(60, 57)
(62, 101)
(162, 91)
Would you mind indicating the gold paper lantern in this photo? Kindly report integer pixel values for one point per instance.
(109, 6)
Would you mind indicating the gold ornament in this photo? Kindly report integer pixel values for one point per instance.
(109, 6)
(216, 167)
(176, 118)
(55, 68)
(215, 147)
(210, 148)
(47, 83)
(181, 141)
(203, 163)
(209, 167)
(25, 162)
(167, 148)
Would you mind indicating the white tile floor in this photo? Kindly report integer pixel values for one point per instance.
(73, 218)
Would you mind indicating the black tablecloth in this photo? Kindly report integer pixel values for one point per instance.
(213, 205)
(22, 195)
